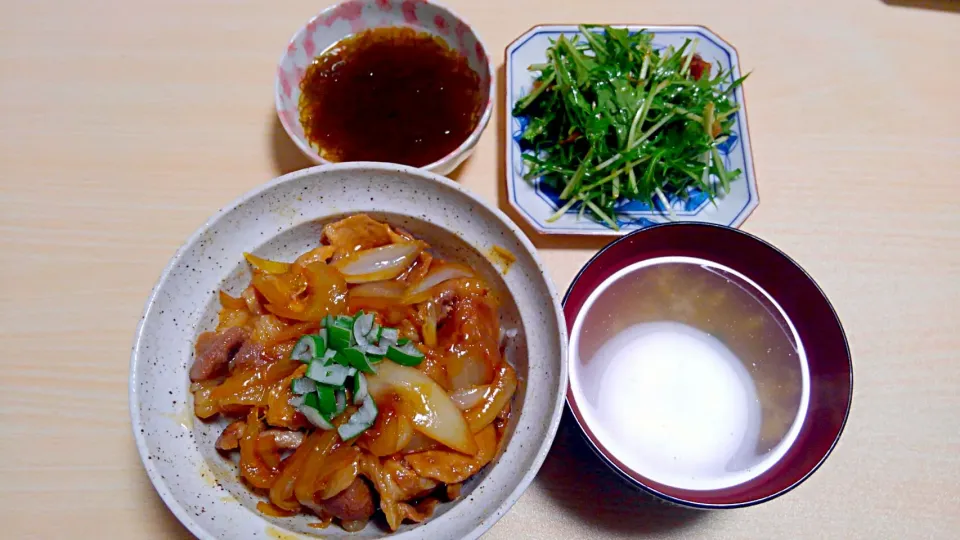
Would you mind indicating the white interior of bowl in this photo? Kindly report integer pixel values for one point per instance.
(351, 17)
(710, 387)
(283, 219)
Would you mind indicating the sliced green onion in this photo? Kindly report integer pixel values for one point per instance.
(562, 210)
(361, 330)
(328, 357)
(602, 215)
(316, 418)
(303, 385)
(374, 334)
(341, 360)
(344, 321)
(360, 391)
(308, 347)
(306, 405)
(326, 400)
(402, 341)
(339, 337)
(312, 400)
(357, 359)
(362, 325)
(341, 399)
(332, 374)
(390, 335)
(376, 351)
(376, 354)
(405, 355)
(327, 321)
(361, 420)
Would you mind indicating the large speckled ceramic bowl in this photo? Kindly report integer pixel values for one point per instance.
(282, 219)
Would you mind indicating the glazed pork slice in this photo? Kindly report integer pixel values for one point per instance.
(214, 350)
(352, 504)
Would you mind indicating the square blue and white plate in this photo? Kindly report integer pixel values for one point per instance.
(536, 201)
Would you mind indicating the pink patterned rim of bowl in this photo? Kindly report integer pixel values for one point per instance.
(822, 348)
(347, 18)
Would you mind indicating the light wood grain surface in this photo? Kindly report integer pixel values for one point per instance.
(123, 125)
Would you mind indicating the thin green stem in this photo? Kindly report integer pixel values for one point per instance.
(637, 143)
(602, 215)
(686, 62)
(642, 112)
(532, 96)
(562, 210)
(574, 183)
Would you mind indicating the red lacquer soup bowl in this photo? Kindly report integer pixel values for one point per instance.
(706, 366)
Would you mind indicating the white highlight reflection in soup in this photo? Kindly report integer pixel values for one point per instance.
(688, 373)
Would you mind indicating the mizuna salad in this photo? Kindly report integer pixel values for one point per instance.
(365, 378)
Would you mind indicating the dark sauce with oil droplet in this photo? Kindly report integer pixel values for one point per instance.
(389, 94)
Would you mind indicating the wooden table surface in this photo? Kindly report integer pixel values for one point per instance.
(123, 125)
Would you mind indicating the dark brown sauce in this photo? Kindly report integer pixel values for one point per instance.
(389, 94)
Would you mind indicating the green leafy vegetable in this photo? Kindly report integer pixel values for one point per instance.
(611, 119)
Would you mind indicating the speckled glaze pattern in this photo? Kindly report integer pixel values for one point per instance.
(353, 16)
(282, 219)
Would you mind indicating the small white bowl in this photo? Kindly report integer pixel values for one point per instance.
(347, 18)
(280, 220)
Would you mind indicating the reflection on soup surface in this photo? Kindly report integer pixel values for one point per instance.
(689, 373)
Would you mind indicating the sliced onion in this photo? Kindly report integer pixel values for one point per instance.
(377, 264)
(435, 414)
(468, 398)
(320, 254)
(378, 289)
(230, 302)
(399, 235)
(251, 301)
(284, 439)
(420, 443)
(304, 487)
(266, 265)
(467, 370)
(450, 467)
(339, 471)
(507, 334)
(429, 329)
(392, 432)
(281, 492)
(501, 391)
(437, 275)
